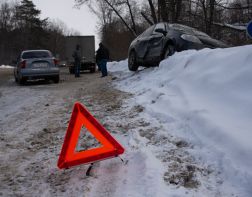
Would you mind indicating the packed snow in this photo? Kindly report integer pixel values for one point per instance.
(204, 97)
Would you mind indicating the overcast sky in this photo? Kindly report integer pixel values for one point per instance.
(81, 19)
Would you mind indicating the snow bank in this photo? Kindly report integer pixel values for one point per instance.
(5, 66)
(206, 97)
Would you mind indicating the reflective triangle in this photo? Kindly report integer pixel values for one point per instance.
(82, 118)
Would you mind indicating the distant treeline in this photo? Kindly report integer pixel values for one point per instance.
(22, 28)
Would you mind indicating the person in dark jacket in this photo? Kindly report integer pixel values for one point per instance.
(102, 57)
(77, 60)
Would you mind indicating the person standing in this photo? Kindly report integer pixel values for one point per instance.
(77, 60)
(102, 57)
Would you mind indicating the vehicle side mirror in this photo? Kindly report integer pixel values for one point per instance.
(162, 31)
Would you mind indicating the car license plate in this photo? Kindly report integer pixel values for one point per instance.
(40, 65)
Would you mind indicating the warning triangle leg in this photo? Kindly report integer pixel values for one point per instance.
(89, 169)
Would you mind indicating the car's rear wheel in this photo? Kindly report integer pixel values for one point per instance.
(169, 51)
(132, 63)
(56, 79)
(22, 80)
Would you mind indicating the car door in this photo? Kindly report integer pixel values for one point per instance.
(142, 43)
(156, 43)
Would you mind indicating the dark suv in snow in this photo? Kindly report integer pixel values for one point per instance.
(162, 40)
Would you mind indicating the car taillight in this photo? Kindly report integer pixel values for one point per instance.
(56, 62)
(23, 64)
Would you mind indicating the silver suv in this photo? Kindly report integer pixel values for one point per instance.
(36, 64)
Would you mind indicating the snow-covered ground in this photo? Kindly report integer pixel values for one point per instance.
(5, 66)
(205, 98)
(185, 126)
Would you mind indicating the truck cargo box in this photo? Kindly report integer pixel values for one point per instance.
(87, 47)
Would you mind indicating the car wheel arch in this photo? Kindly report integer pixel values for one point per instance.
(169, 42)
(133, 50)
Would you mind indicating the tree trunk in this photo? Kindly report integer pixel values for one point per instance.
(163, 11)
(153, 13)
(131, 16)
(178, 9)
(211, 14)
(147, 19)
(172, 9)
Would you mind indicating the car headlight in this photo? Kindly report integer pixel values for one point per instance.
(191, 38)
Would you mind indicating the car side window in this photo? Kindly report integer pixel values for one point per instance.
(159, 26)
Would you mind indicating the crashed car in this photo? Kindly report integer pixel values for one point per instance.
(162, 40)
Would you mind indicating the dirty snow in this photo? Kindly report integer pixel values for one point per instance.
(203, 97)
(185, 127)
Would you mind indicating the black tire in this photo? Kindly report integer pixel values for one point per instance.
(168, 51)
(22, 81)
(56, 79)
(71, 70)
(132, 63)
(92, 70)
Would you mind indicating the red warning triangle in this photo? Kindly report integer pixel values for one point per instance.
(81, 117)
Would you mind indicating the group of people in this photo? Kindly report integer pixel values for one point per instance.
(102, 57)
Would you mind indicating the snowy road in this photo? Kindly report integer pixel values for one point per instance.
(168, 141)
(33, 122)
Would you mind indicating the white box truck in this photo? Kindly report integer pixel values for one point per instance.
(87, 47)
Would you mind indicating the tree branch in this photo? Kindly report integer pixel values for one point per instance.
(147, 19)
(124, 22)
(131, 16)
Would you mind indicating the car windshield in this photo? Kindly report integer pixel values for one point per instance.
(36, 54)
(187, 29)
(181, 28)
(200, 33)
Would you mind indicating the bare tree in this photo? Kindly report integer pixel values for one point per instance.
(131, 16)
(153, 12)
(112, 5)
(147, 19)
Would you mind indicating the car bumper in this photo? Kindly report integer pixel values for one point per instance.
(37, 73)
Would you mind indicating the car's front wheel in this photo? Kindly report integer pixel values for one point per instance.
(92, 70)
(168, 51)
(71, 70)
(21, 80)
(132, 63)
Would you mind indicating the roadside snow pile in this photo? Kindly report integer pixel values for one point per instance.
(5, 66)
(204, 97)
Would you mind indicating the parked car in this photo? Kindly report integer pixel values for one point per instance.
(161, 40)
(36, 64)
